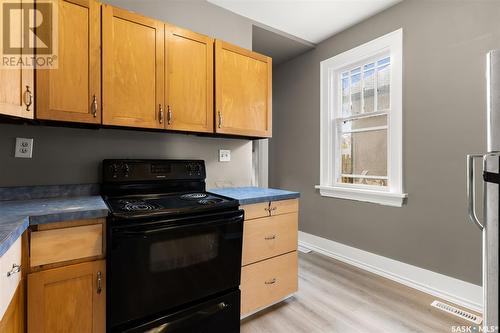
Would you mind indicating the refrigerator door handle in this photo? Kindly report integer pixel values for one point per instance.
(471, 190)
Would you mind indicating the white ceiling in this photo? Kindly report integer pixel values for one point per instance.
(311, 20)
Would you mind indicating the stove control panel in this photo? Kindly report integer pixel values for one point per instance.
(148, 170)
(194, 169)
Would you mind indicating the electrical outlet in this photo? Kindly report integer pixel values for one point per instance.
(24, 148)
(224, 155)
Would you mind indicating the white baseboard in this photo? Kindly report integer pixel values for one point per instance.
(456, 291)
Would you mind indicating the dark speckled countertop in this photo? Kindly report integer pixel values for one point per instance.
(17, 215)
(78, 202)
(250, 195)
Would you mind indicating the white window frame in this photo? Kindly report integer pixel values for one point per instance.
(392, 195)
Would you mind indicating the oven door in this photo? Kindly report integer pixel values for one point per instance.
(164, 265)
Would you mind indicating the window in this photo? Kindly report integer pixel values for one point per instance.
(361, 123)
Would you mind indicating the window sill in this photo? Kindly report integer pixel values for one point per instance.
(373, 196)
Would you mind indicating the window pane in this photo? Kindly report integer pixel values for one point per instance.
(369, 66)
(383, 87)
(384, 61)
(364, 153)
(346, 103)
(367, 122)
(369, 181)
(346, 152)
(356, 91)
(369, 90)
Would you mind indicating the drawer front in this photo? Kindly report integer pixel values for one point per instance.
(255, 211)
(268, 281)
(8, 284)
(284, 206)
(58, 245)
(269, 237)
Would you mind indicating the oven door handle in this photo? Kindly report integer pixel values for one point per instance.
(187, 320)
(147, 232)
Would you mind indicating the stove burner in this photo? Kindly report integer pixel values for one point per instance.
(209, 201)
(139, 206)
(193, 196)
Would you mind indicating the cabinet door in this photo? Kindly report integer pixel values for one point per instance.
(16, 85)
(189, 80)
(72, 92)
(69, 299)
(133, 65)
(243, 93)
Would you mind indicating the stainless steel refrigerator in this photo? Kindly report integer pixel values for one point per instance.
(491, 186)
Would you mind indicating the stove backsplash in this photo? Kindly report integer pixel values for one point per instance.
(73, 155)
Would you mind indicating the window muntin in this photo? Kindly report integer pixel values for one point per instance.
(362, 123)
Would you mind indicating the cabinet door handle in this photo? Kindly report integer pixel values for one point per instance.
(271, 237)
(272, 281)
(15, 269)
(94, 106)
(220, 119)
(99, 282)
(169, 115)
(28, 98)
(160, 114)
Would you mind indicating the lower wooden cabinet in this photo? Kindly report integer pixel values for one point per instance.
(68, 299)
(269, 259)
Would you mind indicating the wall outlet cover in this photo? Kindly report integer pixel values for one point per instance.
(24, 148)
(224, 155)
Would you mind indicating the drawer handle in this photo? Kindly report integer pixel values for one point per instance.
(270, 237)
(272, 281)
(99, 282)
(15, 269)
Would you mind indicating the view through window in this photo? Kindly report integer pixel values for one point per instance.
(362, 123)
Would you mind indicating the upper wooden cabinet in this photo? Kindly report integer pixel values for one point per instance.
(150, 75)
(17, 93)
(189, 80)
(133, 69)
(16, 86)
(68, 299)
(243, 92)
(72, 92)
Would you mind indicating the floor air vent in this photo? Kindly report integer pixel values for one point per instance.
(457, 312)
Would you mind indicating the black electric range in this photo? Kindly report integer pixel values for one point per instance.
(173, 249)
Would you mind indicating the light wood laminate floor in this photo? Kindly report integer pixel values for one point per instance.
(334, 297)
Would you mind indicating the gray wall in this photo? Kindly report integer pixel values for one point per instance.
(445, 43)
(72, 156)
